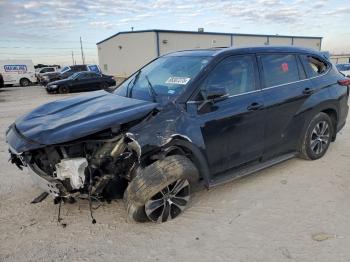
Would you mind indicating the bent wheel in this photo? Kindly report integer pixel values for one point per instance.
(161, 191)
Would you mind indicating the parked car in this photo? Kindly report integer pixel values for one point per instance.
(1, 81)
(211, 115)
(344, 69)
(18, 72)
(67, 71)
(41, 72)
(81, 81)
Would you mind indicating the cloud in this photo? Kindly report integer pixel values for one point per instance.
(339, 11)
(65, 19)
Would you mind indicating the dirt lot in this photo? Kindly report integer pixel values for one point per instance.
(296, 211)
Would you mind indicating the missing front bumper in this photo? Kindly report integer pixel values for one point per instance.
(50, 185)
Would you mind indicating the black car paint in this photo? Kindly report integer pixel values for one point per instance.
(277, 127)
(69, 119)
(77, 85)
(242, 129)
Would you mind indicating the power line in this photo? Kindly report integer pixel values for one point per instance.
(34, 47)
(33, 40)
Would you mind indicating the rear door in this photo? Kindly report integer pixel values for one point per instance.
(285, 89)
(95, 81)
(233, 129)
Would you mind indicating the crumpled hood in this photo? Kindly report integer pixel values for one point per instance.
(69, 119)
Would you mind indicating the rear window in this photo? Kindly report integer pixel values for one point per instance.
(279, 69)
(314, 65)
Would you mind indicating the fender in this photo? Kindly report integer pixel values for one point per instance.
(198, 157)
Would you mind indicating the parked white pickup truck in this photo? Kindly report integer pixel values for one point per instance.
(18, 72)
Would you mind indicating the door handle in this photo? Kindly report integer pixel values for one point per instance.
(308, 91)
(254, 106)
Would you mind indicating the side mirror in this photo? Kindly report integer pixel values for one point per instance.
(216, 93)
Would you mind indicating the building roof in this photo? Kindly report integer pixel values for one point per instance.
(201, 33)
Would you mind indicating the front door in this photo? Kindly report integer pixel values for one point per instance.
(233, 128)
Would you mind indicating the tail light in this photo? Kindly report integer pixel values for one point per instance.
(344, 82)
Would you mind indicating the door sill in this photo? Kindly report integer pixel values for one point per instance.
(231, 175)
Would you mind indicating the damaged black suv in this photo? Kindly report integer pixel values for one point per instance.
(203, 115)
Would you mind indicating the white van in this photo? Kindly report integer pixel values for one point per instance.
(18, 72)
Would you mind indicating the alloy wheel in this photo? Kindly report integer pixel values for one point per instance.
(169, 202)
(320, 137)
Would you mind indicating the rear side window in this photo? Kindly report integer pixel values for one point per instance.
(93, 75)
(279, 69)
(235, 74)
(314, 65)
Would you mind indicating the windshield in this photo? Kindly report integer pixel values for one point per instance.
(163, 79)
(65, 69)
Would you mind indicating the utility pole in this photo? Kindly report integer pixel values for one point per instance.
(73, 58)
(82, 52)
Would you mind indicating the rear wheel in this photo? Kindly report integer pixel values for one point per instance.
(63, 89)
(317, 138)
(104, 85)
(161, 191)
(24, 82)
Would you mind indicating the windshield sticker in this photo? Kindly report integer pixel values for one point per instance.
(171, 92)
(178, 80)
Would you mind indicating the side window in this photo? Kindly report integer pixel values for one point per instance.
(93, 75)
(235, 74)
(279, 69)
(83, 76)
(50, 69)
(314, 65)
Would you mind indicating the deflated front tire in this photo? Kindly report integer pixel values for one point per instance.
(161, 191)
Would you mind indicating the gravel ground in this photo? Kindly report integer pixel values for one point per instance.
(295, 211)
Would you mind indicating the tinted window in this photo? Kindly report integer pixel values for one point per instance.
(93, 75)
(279, 69)
(50, 69)
(235, 74)
(84, 76)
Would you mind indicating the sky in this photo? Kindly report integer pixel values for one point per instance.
(48, 31)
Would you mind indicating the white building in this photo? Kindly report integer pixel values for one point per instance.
(125, 52)
(340, 59)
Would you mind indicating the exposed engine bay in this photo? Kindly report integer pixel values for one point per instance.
(100, 166)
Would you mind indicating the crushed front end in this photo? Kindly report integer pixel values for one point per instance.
(97, 166)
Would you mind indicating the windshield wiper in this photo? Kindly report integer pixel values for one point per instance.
(133, 83)
(151, 90)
